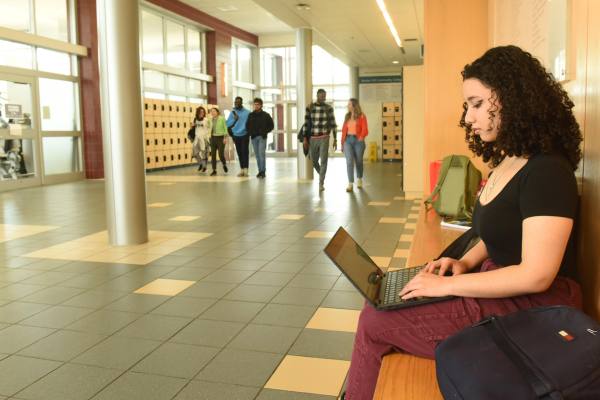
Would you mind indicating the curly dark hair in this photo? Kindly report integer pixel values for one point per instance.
(536, 114)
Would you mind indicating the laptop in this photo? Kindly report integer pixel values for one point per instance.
(378, 287)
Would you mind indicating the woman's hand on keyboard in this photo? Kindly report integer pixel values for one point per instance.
(426, 284)
(446, 266)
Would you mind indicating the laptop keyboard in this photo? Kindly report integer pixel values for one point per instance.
(396, 280)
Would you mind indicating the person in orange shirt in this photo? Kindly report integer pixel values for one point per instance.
(354, 131)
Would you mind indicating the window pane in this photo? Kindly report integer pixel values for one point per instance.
(18, 158)
(152, 38)
(341, 93)
(58, 105)
(176, 98)
(176, 83)
(245, 94)
(341, 72)
(154, 95)
(16, 55)
(51, 19)
(15, 15)
(197, 100)
(244, 64)
(234, 63)
(175, 45)
(61, 155)
(53, 61)
(194, 87)
(194, 51)
(154, 79)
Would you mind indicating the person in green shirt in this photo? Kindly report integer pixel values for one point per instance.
(218, 138)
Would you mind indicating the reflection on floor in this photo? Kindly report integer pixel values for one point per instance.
(251, 310)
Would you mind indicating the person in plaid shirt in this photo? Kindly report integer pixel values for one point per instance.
(321, 119)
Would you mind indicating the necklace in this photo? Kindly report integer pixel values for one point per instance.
(496, 177)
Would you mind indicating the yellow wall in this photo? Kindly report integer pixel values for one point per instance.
(413, 87)
(456, 33)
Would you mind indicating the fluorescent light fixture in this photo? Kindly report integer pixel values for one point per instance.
(395, 62)
(388, 20)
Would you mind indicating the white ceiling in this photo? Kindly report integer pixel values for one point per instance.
(352, 30)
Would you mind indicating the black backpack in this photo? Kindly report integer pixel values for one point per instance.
(546, 353)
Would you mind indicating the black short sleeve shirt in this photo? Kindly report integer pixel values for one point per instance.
(545, 186)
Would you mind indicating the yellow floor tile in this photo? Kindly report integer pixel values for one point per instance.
(379, 203)
(140, 259)
(165, 287)
(392, 220)
(382, 262)
(319, 235)
(410, 225)
(309, 375)
(166, 183)
(271, 193)
(334, 319)
(185, 218)
(406, 238)
(159, 205)
(398, 197)
(401, 253)
(415, 208)
(293, 217)
(199, 179)
(412, 216)
(14, 231)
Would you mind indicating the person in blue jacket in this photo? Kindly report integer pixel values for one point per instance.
(236, 124)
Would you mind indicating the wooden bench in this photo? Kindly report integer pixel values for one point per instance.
(402, 376)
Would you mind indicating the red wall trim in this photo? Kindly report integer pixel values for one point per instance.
(203, 18)
(90, 90)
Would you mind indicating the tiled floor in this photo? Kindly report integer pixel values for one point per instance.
(232, 298)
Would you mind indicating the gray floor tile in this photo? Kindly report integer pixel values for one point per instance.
(189, 307)
(52, 295)
(268, 338)
(140, 303)
(87, 281)
(175, 261)
(322, 269)
(18, 290)
(283, 266)
(70, 382)
(176, 360)
(285, 315)
(154, 327)
(235, 311)
(49, 278)
(348, 300)
(244, 265)
(208, 333)
(136, 386)
(324, 344)
(104, 322)
(248, 368)
(57, 316)
(16, 337)
(188, 273)
(19, 372)
(344, 284)
(269, 278)
(313, 281)
(212, 290)
(16, 275)
(270, 394)
(256, 293)
(94, 299)
(117, 352)
(17, 311)
(62, 345)
(207, 262)
(199, 390)
(300, 296)
(228, 276)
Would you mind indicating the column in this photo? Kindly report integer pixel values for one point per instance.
(121, 105)
(304, 92)
(354, 82)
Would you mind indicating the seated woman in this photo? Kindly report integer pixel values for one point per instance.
(520, 120)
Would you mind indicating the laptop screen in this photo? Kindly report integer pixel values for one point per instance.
(355, 264)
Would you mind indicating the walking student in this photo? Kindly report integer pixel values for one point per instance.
(201, 142)
(237, 125)
(321, 119)
(258, 126)
(218, 137)
(354, 131)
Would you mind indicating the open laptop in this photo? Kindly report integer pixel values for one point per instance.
(379, 288)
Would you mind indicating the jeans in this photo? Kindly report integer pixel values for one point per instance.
(259, 144)
(241, 147)
(319, 149)
(354, 150)
(216, 144)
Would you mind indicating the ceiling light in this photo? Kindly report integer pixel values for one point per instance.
(389, 22)
(227, 8)
(395, 62)
(302, 7)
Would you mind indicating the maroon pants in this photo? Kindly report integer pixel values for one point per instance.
(417, 330)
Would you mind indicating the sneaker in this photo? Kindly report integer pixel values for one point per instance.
(359, 183)
(240, 174)
(349, 188)
(225, 168)
(213, 173)
(321, 188)
(200, 168)
(204, 169)
(259, 175)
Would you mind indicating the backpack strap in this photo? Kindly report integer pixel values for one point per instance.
(441, 178)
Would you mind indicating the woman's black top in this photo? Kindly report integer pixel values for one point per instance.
(546, 185)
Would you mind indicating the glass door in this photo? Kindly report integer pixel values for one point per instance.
(19, 133)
